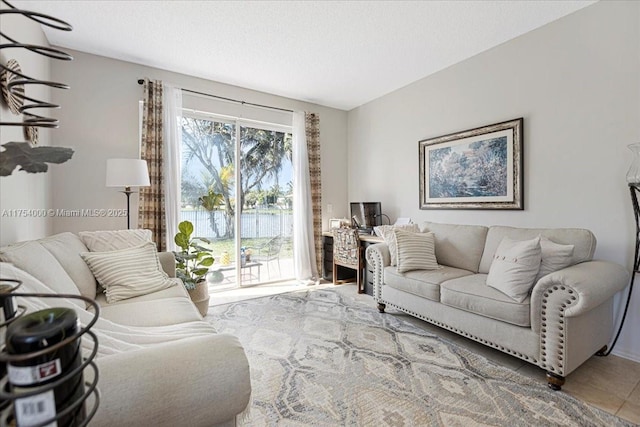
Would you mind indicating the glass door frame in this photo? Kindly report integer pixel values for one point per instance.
(238, 123)
(256, 124)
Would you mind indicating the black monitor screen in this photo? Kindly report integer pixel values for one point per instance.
(366, 214)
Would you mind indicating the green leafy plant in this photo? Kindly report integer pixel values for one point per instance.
(212, 200)
(194, 260)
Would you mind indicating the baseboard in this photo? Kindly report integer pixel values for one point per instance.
(626, 355)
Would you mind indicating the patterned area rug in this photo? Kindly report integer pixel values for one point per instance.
(322, 358)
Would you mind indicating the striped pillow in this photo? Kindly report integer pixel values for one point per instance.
(416, 251)
(128, 273)
(386, 232)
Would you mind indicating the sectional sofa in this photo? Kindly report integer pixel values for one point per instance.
(159, 362)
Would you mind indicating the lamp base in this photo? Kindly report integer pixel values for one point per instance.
(127, 191)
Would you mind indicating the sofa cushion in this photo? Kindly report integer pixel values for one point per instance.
(66, 248)
(583, 240)
(458, 246)
(424, 283)
(31, 284)
(554, 257)
(156, 309)
(151, 312)
(111, 240)
(416, 251)
(33, 258)
(470, 293)
(127, 273)
(515, 267)
(177, 291)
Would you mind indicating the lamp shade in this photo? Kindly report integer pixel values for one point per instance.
(127, 173)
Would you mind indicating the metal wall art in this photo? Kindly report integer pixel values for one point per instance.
(14, 84)
(12, 93)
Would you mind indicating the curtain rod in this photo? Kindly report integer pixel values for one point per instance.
(141, 81)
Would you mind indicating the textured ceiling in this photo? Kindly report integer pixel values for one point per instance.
(338, 54)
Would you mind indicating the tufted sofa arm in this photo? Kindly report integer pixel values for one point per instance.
(585, 285)
(168, 263)
(378, 257)
(574, 296)
(207, 377)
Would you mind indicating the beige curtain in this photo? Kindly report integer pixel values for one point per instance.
(312, 131)
(151, 214)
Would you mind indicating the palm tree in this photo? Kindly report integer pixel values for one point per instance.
(262, 154)
(211, 202)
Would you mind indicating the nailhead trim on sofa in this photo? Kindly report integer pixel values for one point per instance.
(371, 257)
(553, 296)
(463, 333)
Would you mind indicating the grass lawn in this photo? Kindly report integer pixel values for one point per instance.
(218, 246)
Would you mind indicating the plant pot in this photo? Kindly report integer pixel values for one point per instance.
(200, 297)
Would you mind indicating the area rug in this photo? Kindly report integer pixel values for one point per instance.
(323, 358)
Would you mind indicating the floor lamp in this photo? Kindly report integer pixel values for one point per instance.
(633, 179)
(127, 173)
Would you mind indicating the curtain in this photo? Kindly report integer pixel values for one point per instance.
(306, 161)
(151, 213)
(172, 136)
(312, 131)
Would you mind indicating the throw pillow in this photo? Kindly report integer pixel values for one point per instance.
(554, 257)
(33, 258)
(515, 266)
(380, 229)
(416, 251)
(128, 273)
(111, 240)
(386, 232)
(66, 248)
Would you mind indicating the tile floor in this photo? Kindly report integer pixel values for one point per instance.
(610, 383)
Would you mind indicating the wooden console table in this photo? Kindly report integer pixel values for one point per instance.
(347, 273)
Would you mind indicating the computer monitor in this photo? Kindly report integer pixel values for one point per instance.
(366, 215)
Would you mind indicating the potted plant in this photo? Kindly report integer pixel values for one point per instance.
(192, 265)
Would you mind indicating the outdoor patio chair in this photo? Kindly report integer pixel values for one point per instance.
(269, 251)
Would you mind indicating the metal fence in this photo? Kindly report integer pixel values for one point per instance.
(255, 223)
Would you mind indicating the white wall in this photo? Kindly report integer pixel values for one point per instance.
(22, 191)
(575, 81)
(100, 121)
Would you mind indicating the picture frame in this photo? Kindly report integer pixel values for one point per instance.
(338, 223)
(479, 168)
(335, 223)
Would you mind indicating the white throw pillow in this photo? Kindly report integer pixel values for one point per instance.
(111, 240)
(554, 257)
(515, 266)
(66, 248)
(416, 251)
(386, 232)
(128, 273)
(33, 258)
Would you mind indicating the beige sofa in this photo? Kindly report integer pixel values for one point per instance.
(566, 318)
(159, 362)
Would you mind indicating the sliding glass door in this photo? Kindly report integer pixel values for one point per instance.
(243, 214)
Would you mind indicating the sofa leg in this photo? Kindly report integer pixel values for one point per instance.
(602, 351)
(554, 381)
(381, 307)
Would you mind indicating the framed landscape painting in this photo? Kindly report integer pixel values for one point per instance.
(474, 169)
